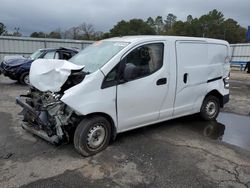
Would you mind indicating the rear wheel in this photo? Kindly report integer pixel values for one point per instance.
(24, 78)
(92, 135)
(210, 108)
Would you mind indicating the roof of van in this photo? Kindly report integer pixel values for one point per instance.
(142, 38)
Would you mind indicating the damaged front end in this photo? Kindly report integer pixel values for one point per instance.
(44, 114)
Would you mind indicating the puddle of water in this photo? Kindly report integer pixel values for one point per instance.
(236, 129)
(230, 128)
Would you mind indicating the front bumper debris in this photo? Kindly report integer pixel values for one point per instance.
(42, 134)
(31, 128)
(225, 99)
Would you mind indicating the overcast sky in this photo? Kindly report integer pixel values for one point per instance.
(48, 15)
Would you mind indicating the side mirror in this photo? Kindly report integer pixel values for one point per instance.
(130, 72)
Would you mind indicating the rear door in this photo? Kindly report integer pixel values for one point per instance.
(139, 100)
(192, 73)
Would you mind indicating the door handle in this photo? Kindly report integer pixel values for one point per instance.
(185, 76)
(161, 81)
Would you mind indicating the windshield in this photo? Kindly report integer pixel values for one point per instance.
(36, 54)
(97, 54)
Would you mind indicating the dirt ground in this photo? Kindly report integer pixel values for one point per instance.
(239, 102)
(170, 154)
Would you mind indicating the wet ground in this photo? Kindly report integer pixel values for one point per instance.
(185, 152)
(229, 128)
(236, 129)
(239, 94)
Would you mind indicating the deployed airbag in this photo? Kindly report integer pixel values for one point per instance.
(51, 74)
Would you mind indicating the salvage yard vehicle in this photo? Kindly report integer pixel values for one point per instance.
(123, 83)
(17, 68)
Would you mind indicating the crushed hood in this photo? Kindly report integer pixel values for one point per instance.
(17, 62)
(9, 57)
(51, 74)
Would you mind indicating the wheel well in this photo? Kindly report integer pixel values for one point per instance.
(113, 127)
(218, 95)
(21, 76)
(23, 73)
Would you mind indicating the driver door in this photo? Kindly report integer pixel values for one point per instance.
(139, 100)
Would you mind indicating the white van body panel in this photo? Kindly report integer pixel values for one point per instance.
(166, 110)
(87, 97)
(202, 61)
(141, 102)
(194, 65)
(131, 96)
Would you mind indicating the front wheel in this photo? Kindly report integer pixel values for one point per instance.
(92, 135)
(210, 108)
(24, 78)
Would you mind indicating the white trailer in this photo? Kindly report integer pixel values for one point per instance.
(240, 55)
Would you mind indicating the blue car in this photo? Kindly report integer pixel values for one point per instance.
(18, 69)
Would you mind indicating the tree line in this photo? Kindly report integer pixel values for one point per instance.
(211, 25)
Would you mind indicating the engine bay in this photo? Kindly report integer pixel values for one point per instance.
(46, 116)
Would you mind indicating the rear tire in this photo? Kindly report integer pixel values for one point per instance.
(92, 135)
(24, 78)
(210, 108)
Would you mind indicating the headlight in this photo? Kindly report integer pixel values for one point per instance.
(11, 69)
(226, 82)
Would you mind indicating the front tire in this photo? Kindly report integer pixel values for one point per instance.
(92, 135)
(210, 108)
(24, 78)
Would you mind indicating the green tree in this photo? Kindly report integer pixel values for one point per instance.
(105, 35)
(17, 34)
(150, 21)
(2, 29)
(211, 24)
(132, 27)
(169, 22)
(178, 29)
(159, 25)
(54, 34)
(38, 34)
(189, 19)
(233, 32)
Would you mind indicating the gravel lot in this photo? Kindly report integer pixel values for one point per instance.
(171, 154)
(239, 93)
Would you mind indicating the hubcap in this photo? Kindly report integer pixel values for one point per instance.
(211, 108)
(26, 79)
(96, 136)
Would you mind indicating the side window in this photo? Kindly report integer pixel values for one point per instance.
(56, 55)
(147, 59)
(66, 55)
(111, 78)
(49, 55)
(73, 53)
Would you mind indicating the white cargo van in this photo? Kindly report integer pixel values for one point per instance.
(123, 83)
